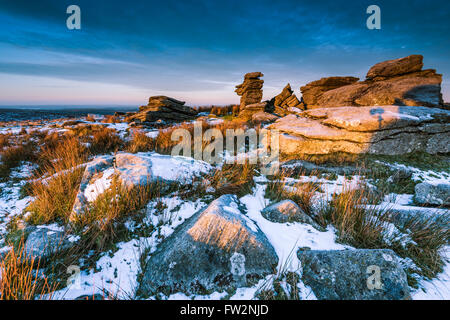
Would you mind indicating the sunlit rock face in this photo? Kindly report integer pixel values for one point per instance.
(251, 89)
(285, 103)
(198, 257)
(250, 110)
(388, 130)
(400, 82)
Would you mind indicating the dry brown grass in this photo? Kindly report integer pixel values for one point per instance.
(302, 193)
(430, 236)
(111, 119)
(140, 142)
(56, 183)
(164, 142)
(20, 277)
(102, 221)
(12, 157)
(368, 227)
(90, 118)
(105, 140)
(357, 224)
(5, 140)
(234, 179)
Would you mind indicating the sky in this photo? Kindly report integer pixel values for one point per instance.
(197, 51)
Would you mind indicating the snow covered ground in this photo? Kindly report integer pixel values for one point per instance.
(116, 272)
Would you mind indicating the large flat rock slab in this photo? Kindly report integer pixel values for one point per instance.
(388, 130)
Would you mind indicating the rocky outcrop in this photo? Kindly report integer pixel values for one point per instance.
(163, 108)
(432, 194)
(216, 249)
(388, 130)
(263, 117)
(359, 274)
(397, 82)
(314, 90)
(285, 103)
(251, 89)
(250, 110)
(397, 67)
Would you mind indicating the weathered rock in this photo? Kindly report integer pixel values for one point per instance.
(98, 164)
(388, 130)
(433, 194)
(313, 90)
(45, 241)
(285, 103)
(287, 211)
(133, 170)
(263, 117)
(422, 88)
(396, 67)
(402, 216)
(400, 175)
(352, 274)
(251, 89)
(216, 249)
(250, 110)
(295, 167)
(253, 75)
(398, 82)
(163, 108)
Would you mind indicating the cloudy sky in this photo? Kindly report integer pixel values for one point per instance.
(198, 51)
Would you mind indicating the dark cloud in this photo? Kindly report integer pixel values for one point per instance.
(170, 44)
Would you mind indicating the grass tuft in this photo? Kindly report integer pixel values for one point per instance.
(20, 277)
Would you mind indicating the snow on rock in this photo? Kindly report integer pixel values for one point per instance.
(132, 170)
(177, 168)
(117, 273)
(199, 255)
(286, 238)
(434, 194)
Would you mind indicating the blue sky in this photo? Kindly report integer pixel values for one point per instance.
(198, 51)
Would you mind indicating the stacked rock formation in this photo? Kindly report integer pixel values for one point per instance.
(250, 110)
(163, 108)
(394, 82)
(285, 103)
(251, 89)
(386, 130)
